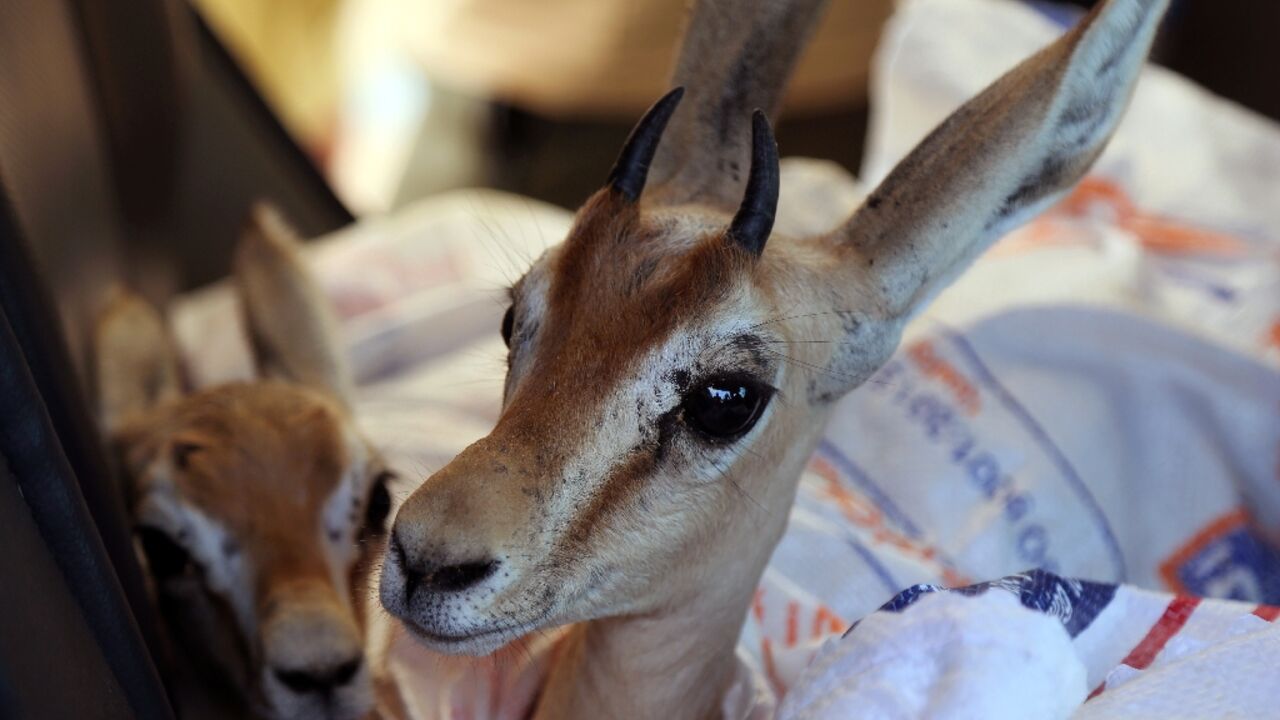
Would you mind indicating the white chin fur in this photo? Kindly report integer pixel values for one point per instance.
(478, 644)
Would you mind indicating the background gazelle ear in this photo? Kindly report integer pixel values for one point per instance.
(291, 328)
(135, 363)
(1001, 158)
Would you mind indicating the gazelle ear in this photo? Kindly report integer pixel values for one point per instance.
(291, 328)
(1001, 158)
(135, 363)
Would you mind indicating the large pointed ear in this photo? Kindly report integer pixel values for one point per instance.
(291, 327)
(135, 363)
(1001, 158)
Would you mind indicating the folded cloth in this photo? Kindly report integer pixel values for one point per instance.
(1033, 645)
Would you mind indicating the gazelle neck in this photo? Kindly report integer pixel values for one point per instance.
(676, 663)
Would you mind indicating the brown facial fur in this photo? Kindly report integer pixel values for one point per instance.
(261, 461)
(269, 446)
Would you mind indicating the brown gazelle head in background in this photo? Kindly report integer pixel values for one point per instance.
(257, 504)
(673, 362)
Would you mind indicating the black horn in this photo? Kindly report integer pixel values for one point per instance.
(754, 220)
(632, 167)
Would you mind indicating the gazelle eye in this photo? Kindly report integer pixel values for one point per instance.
(165, 557)
(508, 323)
(378, 506)
(182, 451)
(725, 408)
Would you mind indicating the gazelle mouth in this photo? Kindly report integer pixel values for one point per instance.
(481, 641)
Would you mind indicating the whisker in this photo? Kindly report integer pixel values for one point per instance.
(802, 316)
(810, 366)
(799, 342)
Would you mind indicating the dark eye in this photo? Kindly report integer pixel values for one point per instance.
(182, 452)
(725, 408)
(378, 506)
(508, 323)
(165, 557)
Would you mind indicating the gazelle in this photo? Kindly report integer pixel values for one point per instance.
(259, 505)
(671, 365)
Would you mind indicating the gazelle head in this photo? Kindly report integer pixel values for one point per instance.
(257, 504)
(671, 364)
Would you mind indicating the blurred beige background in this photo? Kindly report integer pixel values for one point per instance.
(397, 99)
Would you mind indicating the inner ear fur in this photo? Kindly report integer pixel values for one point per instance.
(291, 327)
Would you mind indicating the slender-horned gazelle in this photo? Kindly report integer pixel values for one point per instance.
(259, 505)
(671, 364)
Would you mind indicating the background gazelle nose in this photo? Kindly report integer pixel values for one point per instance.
(311, 643)
(321, 680)
(437, 575)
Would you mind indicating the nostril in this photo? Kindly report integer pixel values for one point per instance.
(438, 578)
(300, 681)
(397, 550)
(412, 575)
(322, 680)
(453, 578)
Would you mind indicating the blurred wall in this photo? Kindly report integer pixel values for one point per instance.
(610, 58)
(554, 87)
(404, 98)
(288, 47)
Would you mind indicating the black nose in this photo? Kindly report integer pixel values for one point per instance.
(318, 680)
(440, 578)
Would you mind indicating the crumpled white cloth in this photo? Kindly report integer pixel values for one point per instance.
(950, 656)
(1038, 646)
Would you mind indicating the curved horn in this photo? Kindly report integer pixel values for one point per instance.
(632, 167)
(754, 220)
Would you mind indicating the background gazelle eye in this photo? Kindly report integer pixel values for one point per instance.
(508, 323)
(378, 506)
(725, 408)
(166, 558)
